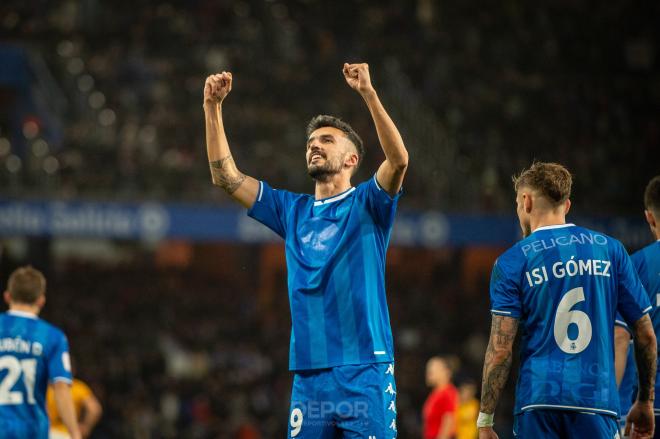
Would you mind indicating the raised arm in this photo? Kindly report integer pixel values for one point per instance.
(224, 172)
(497, 364)
(393, 169)
(640, 418)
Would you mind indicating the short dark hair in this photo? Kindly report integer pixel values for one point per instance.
(26, 285)
(652, 195)
(323, 120)
(551, 179)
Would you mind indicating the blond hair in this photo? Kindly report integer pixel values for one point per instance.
(552, 180)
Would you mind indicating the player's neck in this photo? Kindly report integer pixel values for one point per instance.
(656, 233)
(22, 307)
(331, 186)
(547, 219)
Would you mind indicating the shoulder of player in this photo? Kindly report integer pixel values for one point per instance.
(370, 182)
(653, 249)
(612, 242)
(293, 197)
(512, 258)
(58, 332)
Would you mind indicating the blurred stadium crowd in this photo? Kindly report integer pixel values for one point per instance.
(478, 92)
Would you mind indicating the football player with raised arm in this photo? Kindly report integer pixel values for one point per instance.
(341, 349)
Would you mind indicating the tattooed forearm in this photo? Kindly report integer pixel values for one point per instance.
(225, 174)
(646, 354)
(497, 362)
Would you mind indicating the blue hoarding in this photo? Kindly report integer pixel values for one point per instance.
(205, 222)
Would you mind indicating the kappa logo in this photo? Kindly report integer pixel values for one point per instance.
(390, 389)
(393, 424)
(392, 407)
(390, 369)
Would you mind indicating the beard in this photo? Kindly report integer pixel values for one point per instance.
(325, 170)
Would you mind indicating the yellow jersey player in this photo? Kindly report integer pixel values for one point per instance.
(468, 411)
(87, 406)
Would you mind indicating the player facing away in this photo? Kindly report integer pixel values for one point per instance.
(647, 264)
(341, 349)
(32, 354)
(563, 285)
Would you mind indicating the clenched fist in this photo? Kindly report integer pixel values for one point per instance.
(217, 87)
(357, 76)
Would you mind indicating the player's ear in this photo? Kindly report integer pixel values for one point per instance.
(567, 206)
(650, 218)
(7, 297)
(527, 202)
(41, 301)
(351, 160)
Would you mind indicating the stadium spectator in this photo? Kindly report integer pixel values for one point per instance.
(440, 408)
(468, 410)
(483, 83)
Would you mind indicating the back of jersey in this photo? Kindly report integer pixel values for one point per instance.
(32, 352)
(565, 284)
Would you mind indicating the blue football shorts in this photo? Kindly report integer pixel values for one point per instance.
(353, 401)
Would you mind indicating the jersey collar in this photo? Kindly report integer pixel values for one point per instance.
(555, 226)
(25, 314)
(335, 198)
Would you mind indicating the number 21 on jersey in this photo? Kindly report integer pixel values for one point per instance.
(14, 368)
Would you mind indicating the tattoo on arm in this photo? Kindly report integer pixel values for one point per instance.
(225, 174)
(646, 358)
(497, 363)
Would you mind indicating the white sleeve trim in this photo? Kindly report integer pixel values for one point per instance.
(377, 185)
(496, 311)
(261, 190)
(621, 323)
(380, 188)
(648, 309)
(64, 379)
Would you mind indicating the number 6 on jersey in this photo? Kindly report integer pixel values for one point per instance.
(564, 317)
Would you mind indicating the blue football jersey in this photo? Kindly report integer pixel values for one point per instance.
(32, 354)
(565, 284)
(647, 264)
(335, 252)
